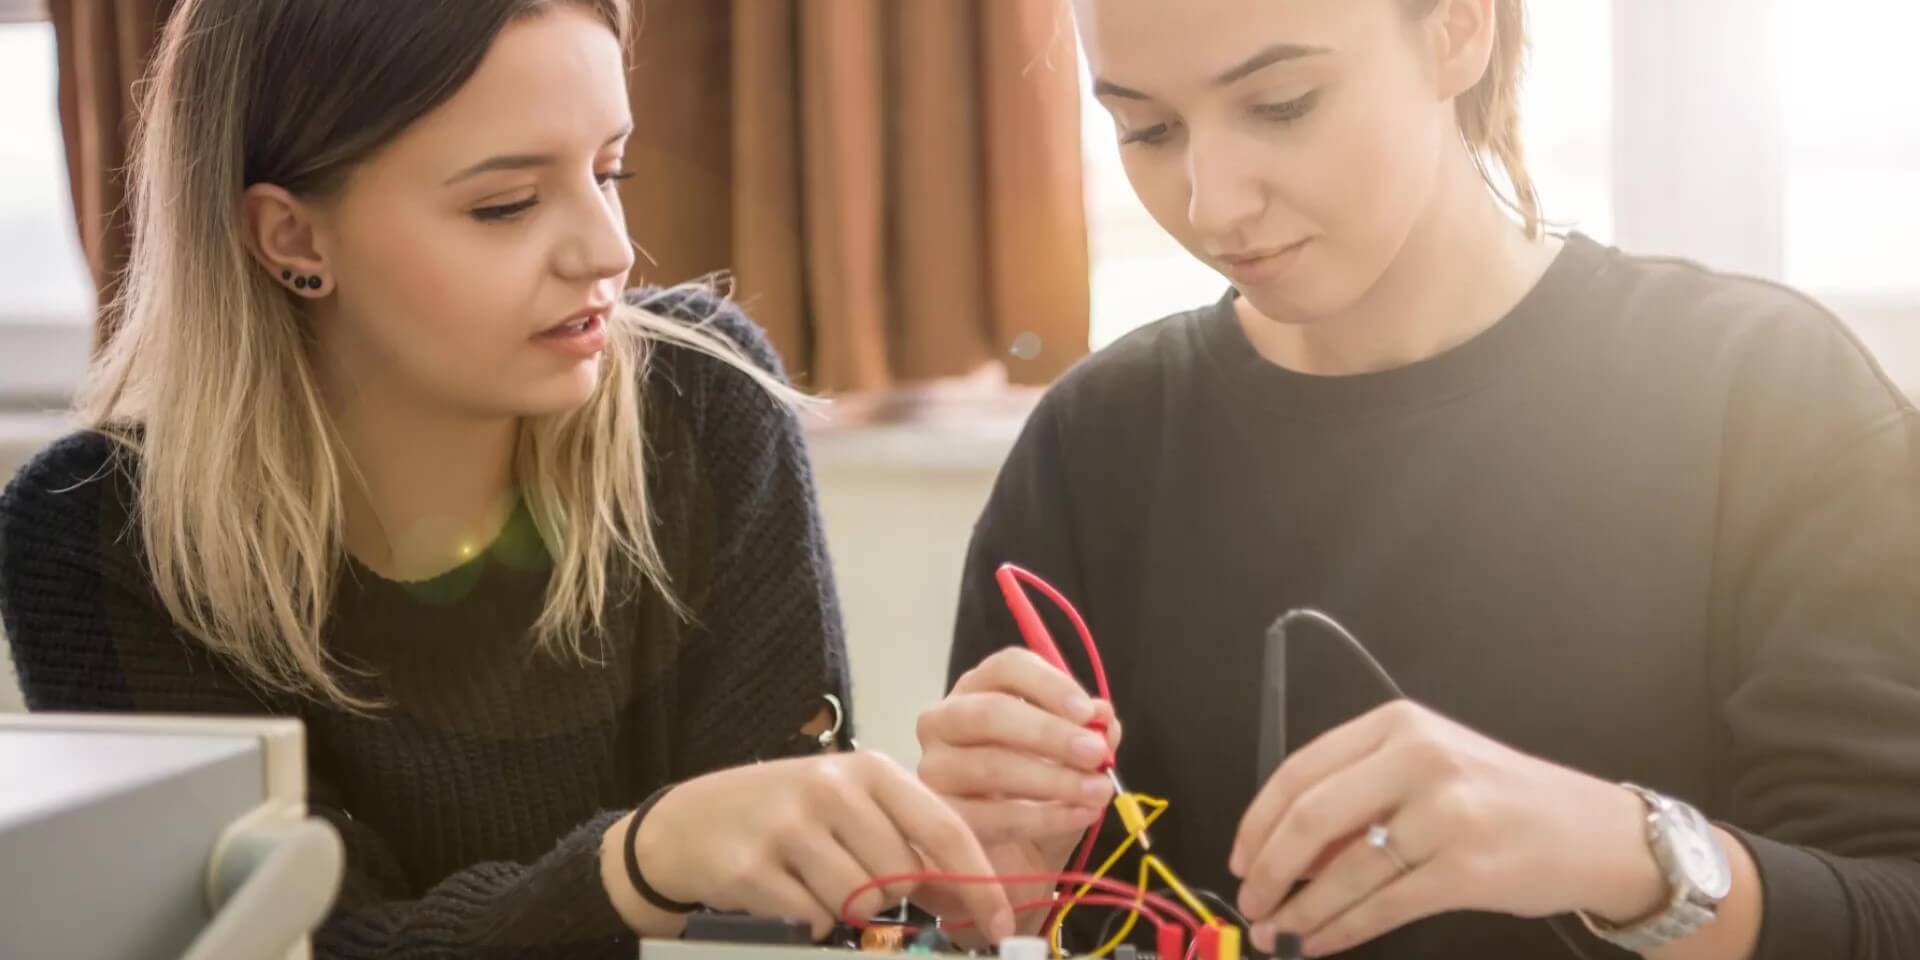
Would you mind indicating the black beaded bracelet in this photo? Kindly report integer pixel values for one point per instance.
(646, 890)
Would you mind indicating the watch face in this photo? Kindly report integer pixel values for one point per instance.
(1697, 850)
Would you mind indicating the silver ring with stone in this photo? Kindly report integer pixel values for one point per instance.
(1381, 839)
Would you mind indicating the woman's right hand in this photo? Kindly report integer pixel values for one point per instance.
(1009, 748)
(792, 838)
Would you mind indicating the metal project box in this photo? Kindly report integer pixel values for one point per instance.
(137, 836)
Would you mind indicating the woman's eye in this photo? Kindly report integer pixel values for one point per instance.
(1147, 136)
(1289, 111)
(505, 211)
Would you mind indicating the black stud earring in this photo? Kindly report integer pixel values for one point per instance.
(299, 283)
(313, 283)
(286, 274)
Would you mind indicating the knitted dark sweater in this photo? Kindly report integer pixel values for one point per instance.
(474, 803)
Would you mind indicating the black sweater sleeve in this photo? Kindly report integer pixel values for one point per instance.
(1817, 594)
(87, 635)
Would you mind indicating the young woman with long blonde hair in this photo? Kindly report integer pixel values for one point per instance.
(383, 442)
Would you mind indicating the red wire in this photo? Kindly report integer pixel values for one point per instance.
(1091, 899)
(1038, 639)
(1124, 903)
(1153, 904)
(1036, 633)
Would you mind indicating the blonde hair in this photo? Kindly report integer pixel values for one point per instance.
(208, 379)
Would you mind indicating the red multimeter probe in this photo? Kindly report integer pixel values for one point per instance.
(1011, 579)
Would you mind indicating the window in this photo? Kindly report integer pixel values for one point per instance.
(1566, 114)
(1776, 138)
(1853, 147)
(46, 296)
(1140, 274)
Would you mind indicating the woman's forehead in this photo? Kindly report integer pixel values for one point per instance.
(554, 83)
(1177, 45)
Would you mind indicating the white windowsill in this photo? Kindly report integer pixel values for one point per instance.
(42, 360)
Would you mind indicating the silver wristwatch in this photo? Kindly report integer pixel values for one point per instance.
(1696, 869)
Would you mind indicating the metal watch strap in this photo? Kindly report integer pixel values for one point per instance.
(1681, 918)
(1682, 915)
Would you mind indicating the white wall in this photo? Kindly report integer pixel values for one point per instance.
(899, 505)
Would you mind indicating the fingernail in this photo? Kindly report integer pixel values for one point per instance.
(1262, 937)
(1088, 748)
(1080, 708)
(1083, 816)
(1095, 788)
(1002, 925)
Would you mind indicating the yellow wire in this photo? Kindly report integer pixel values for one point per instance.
(1156, 807)
(1149, 864)
(1166, 873)
(1133, 918)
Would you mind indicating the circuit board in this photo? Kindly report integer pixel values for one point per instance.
(707, 950)
(687, 950)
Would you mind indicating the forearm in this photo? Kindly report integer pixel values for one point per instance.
(554, 905)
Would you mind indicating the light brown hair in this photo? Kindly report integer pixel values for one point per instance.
(240, 473)
(1490, 112)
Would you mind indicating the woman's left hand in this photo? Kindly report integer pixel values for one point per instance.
(1470, 825)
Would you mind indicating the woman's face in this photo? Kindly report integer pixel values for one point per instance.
(459, 250)
(1293, 145)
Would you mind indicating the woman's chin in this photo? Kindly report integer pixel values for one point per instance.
(562, 393)
(1297, 303)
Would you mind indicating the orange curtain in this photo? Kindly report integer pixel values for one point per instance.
(895, 185)
(103, 46)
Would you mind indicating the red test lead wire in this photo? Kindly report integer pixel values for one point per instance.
(1011, 577)
(1040, 641)
(1035, 632)
(1156, 907)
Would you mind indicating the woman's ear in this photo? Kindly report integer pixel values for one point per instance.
(1462, 34)
(283, 235)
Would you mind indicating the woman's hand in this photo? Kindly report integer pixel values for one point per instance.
(1476, 825)
(1009, 748)
(792, 838)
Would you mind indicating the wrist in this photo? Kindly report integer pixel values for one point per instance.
(651, 863)
(642, 917)
(1628, 885)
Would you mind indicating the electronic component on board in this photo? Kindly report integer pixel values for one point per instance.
(883, 938)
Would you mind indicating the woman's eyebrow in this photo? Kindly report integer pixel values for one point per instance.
(523, 161)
